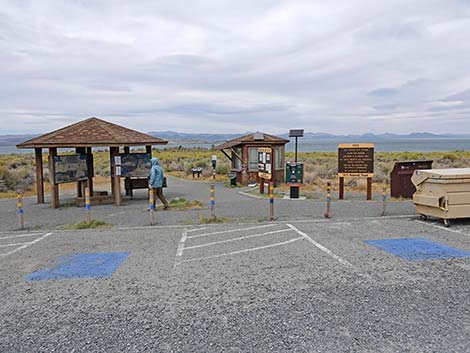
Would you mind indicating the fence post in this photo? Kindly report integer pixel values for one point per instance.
(384, 200)
(212, 194)
(152, 206)
(87, 205)
(271, 201)
(328, 201)
(19, 196)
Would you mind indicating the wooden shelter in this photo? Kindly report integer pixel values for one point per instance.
(243, 153)
(83, 136)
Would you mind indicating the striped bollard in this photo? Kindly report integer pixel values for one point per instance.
(87, 205)
(384, 200)
(328, 201)
(19, 197)
(212, 201)
(271, 201)
(152, 206)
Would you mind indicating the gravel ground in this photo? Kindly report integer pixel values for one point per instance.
(289, 286)
(230, 204)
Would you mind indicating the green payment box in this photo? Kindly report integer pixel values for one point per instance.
(294, 173)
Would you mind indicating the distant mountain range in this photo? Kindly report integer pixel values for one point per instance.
(308, 136)
(181, 137)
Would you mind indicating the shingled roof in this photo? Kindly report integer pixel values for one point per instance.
(252, 138)
(92, 132)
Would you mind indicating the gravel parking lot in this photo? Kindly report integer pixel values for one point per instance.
(287, 286)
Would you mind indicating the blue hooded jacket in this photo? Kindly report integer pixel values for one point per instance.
(156, 174)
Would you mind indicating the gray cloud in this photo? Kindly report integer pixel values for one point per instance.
(215, 66)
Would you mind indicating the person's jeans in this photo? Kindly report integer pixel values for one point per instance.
(159, 193)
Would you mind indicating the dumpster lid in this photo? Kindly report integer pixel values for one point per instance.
(422, 175)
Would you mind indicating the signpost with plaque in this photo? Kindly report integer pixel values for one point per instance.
(356, 160)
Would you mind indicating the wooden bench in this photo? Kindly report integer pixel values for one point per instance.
(197, 171)
(138, 183)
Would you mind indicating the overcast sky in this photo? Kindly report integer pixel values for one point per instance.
(235, 66)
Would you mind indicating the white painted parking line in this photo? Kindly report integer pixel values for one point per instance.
(25, 246)
(180, 249)
(236, 239)
(322, 248)
(443, 228)
(242, 251)
(197, 229)
(15, 244)
(230, 231)
(21, 236)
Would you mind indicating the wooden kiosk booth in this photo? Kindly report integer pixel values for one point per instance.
(78, 167)
(243, 153)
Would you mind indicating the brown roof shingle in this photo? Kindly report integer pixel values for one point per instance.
(250, 138)
(92, 132)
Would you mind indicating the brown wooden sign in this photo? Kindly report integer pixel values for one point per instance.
(356, 160)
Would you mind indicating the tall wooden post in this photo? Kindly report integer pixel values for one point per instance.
(148, 149)
(54, 186)
(113, 151)
(39, 176)
(128, 192)
(369, 188)
(80, 184)
(341, 188)
(91, 169)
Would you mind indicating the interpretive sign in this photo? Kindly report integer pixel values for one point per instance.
(135, 165)
(356, 160)
(70, 168)
(265, 162)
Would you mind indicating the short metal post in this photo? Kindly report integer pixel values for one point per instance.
(87, 205)
(384, 200)
(19, 196)
(328, 201)
(271, 201)
(213, 173)
(152, 208)
(212, 194)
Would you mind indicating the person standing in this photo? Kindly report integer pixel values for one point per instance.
(156, 182)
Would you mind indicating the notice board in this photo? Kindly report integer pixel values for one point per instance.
(70, 168)
(356, 160)
(265, 162)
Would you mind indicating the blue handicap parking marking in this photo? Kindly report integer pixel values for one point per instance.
(415, 249)
(94, 265)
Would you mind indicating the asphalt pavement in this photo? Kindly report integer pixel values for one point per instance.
(356, 282)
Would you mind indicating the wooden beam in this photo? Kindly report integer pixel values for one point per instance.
(113, 151)
(236, 155)
(54, 186)
(80, 184)
(39, 176)
(226, 155)
(91, 169)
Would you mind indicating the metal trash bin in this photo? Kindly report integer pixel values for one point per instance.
(442, 193)
(400, 177)
(233, 178)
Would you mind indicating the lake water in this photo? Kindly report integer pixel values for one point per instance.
(331, 145)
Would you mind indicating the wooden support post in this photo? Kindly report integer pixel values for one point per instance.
(91, 169)
(341, 188)
(128, 192)
(113, 151)
(261, 185)
(80, 184)
(54, 186)
(39, 176)
(117, 186)
(148, 149)
(369, 188)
